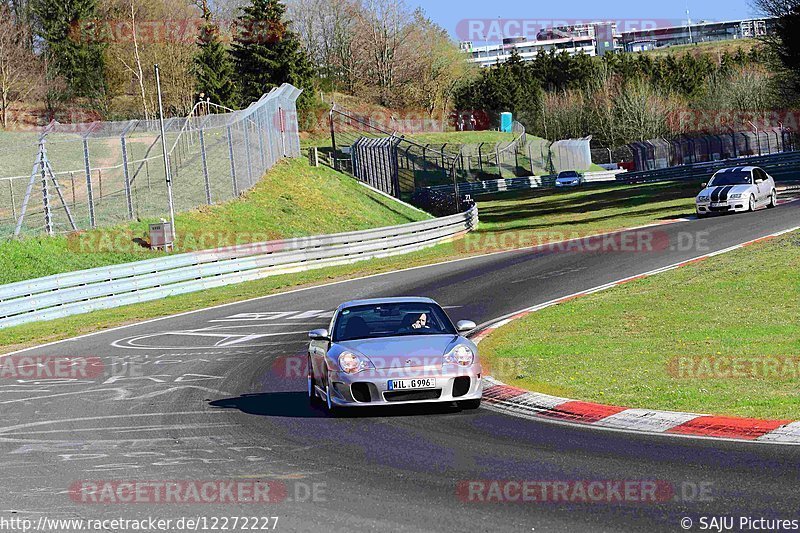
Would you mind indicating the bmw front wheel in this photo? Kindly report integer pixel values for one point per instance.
(773, 199)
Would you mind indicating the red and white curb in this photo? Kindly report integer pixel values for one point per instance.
(519, 402)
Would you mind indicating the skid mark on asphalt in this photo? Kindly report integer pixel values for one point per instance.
(159, 341)
(276, 315)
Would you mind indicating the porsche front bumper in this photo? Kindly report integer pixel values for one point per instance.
(372, 388)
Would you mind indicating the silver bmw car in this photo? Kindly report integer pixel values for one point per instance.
(393, 351)
(736, 189)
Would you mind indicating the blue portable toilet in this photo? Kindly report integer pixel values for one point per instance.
(506, 121)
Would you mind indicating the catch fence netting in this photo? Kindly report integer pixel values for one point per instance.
(107, 173)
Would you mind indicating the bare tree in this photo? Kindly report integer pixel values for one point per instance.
(775, 8)
(18, 70)
(163, 32)
(135, 67)
(384, 28)
(440, 67)
(328, 30)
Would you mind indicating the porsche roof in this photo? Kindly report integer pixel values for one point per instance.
(379, 301)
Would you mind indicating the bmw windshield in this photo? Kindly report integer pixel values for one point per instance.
(391, 320)
(740, 177)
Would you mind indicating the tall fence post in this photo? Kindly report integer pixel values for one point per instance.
(497, 160)
(13, 202)
(233, 162)
(48, 214)
(283, 130)
(333, 141)
(127, 177)
(72, 183)
(260, 131)
(246, 126)
(89, 191)
(530, 158)
(206, 181)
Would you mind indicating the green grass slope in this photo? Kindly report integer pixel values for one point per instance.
(718, 337)
(291, 200)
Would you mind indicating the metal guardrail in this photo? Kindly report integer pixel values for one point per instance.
(72, 293)
(477, 188)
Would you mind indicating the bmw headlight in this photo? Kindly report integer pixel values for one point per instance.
(461, 355)
(351, 363)
(703, 198)
(736, 196)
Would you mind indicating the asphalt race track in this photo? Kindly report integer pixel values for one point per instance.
(220, 395)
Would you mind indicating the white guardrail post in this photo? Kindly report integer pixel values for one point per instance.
(114, 286)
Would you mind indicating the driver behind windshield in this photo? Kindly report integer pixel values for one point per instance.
(363, 322)
(413, 322)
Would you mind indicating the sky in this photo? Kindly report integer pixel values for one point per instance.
(467, 18)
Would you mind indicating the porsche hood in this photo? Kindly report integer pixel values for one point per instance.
(403, 352)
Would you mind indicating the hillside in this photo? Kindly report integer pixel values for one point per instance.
(714, 48)
(291, 200)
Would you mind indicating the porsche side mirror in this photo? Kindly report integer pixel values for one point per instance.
(466, 325)
(704, 185)
(319, 335)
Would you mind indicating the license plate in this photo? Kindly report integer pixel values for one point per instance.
(410, 384)
(719, 204)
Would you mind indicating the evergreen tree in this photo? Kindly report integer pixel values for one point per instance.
(212, 65)
(267, 53)
(509, 86)
(786, 44)
(73, 48)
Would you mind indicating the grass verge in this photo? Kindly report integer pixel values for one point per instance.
(721, 337)
(531, 217)
(292, 200)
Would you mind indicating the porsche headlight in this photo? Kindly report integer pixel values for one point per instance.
(351, 363)
(736, 196)
(703, 198)
(461, 355)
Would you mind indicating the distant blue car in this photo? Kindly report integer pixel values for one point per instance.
(569, 178)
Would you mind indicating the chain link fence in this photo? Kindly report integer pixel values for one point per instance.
(421, 173)
(84, 176)
(656, 154)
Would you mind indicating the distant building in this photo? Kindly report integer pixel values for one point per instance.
(599, 38)
(701, 32)
(591, 39)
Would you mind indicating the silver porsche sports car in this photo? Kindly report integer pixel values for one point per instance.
(737, 189)
(393, 351)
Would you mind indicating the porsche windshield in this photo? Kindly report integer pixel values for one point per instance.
(736, 177)
(391, 320)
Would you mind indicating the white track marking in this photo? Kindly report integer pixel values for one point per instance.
(314, 287)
